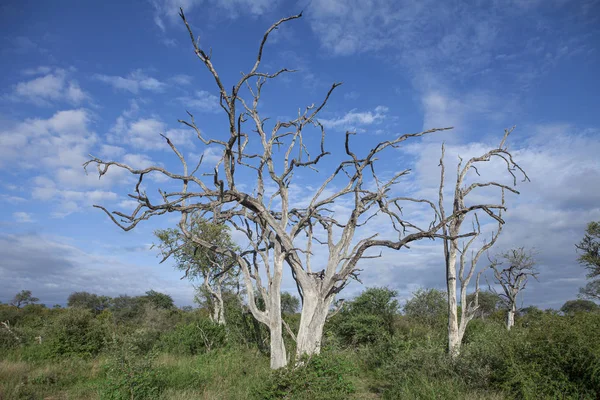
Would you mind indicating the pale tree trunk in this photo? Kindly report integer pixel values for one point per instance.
(219, 311)
(454, 337)
(278, 354)
(510, 319)
(271, 316)
(312, 321)
(216, 295)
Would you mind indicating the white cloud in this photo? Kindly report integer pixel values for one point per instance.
(353, 119)
(134, 82)
(211, 156)
(181, 79)
(202, 100)
(169, 9)
(61, 140)
(23, 217)
(12, 199)
(425, 38)
(144, 133)
(51, 87)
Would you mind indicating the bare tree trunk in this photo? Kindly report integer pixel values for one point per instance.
(312, 321)
(454, 338)
(510, 319)
(278, 354)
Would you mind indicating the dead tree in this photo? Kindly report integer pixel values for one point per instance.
(280, 230)
(456, 327)
(513, 278)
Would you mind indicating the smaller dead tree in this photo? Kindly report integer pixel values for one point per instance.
(513, 278)
(452, 233)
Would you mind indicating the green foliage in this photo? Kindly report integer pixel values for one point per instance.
(89, 301)
(554, 357)
(591, 290)
(489, 303)
(289, 303)
(195, 337)
(196, 261)
(159, 300)
(575, 306)
(589, 248)
(126, 308)
(23, 298)
(72, 332)
(427, 306)
(128, 375)
(325, 376)
(366, 319)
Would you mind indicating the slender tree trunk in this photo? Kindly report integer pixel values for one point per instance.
(278, 354)
(510, 319)
(312, 321)
(454, 338)
(219, 312)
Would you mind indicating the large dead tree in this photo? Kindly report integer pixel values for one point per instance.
(281, 230)
(466, 256)
(519, 266)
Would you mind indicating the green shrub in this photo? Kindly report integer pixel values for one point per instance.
(130, 376)
(325, 376)
(553, 357)
(195, 337)
(72, 332)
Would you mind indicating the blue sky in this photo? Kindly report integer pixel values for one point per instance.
(106, 79)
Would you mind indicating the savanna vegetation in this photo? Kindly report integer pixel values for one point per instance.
(144, 347)
(248, 339)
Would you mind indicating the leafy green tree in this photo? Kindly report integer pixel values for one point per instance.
(590, 249)
(23, 298)
(126, 308)
(427, 305)
(89, 301)
(289, 303)
(591, 290)
(577, 306)
(159, 300)
(489, 302)
(369, 317)
(216, 271)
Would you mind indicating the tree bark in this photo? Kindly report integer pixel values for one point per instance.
(510, 319)
(453, 331)
(312, 321)
(278, 354)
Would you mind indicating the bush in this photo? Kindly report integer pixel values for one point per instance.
(553, 357)
(325, 376)
(129, 376)
(367, 319)
(195, 337)
(73, 332)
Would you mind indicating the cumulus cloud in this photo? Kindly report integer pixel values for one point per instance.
(53, 85)
(181, 79)
(135, 82)
(202, 101)
(354, 119)
(144, 134)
